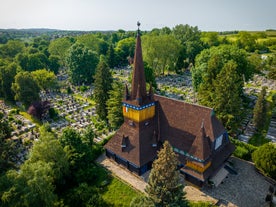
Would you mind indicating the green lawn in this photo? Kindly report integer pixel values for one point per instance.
(119, 194)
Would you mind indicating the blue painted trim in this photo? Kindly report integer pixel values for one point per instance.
(138, 107)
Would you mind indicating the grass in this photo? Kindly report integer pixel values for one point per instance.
(79, 97)
(119, 194)
(29, 117)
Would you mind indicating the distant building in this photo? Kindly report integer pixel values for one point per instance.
(194, 132)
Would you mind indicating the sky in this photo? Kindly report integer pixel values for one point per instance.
(88, 15)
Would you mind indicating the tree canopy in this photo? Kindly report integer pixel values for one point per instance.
(265, 159)
(81, 63)
(215, 76)
(102, 83)
(164, 187)
(161, 52)
(114, 105)
(25, 88)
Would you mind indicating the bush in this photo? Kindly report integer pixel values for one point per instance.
(243, 150)
(265, 159)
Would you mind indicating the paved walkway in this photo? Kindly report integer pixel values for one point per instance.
(122, 173)
(138, 183)
(246, 189)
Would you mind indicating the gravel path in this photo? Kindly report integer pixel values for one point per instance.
(246, 189)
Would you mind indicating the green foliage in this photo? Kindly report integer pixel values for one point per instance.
(164, 187)
(124, 49)
(189, 38)
(7, 75)
(243, 150)
(219, 81)
(46, 80)
(118, 194)
(85, 196)
(11, 49)
(114, 105)
(93, 42)
(59, 47)
(49, 150)
(246, 41)
(82, 63)
(201, 204)
(54, 63)
(161, 52)
(31, 186)
(7, 147)
(227, 101)
(102, 83)
(265, 159)
(110, 56)
(141, 201)
(25, 88)
(259, 112)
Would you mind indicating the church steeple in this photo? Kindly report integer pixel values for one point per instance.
(138, 105)
(138, 76)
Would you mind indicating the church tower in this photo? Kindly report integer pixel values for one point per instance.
(135, 143)
(138, 105)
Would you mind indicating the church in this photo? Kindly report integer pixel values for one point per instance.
(194, 132)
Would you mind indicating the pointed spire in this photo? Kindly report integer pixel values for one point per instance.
(138, 96)
(138, 77)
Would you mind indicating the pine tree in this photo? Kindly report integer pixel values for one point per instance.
(259, 112)
(114, 105)
(102, 83)
(227, 100)
(110, 56)
(164, 187)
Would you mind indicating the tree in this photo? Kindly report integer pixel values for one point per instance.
(7, 149)
(210, 84)
(54, 63)
(164, 187)
(31, 186)
(265, 159)
(246, 41)
(35, 61)
(161, 52)
(114, 105)
(227, 100)
(7, 75)
(39, 109)
(124, 49)
(25, 88)
(102, 83)
(210, 38)
(79, 153)
(49, 150)
(190, 40)
(59, 47)
(82, 63)
(94, 43)
(110, 56)
(46, 80)
(259, 112)
(11, 49)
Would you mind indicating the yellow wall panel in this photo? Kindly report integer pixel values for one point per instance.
(139, 115)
